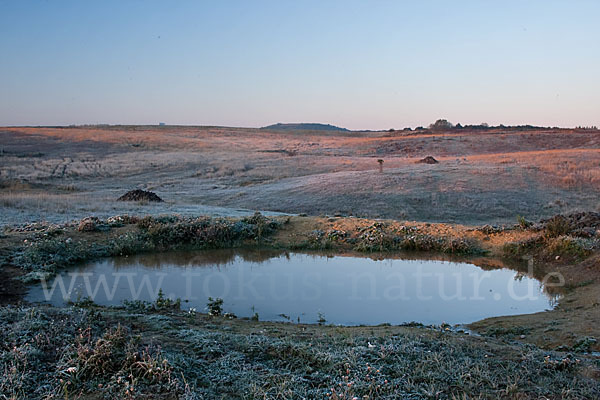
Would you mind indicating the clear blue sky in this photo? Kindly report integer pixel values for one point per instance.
(357, 64)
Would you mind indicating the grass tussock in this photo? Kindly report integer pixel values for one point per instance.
(557, 226)
(116, 362)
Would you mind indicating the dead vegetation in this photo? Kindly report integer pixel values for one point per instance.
(95, 352)
(487, 176)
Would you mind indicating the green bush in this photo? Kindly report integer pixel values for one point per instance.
(523, 223)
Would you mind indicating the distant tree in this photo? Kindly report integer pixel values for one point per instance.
(441, 124)
(458, 126)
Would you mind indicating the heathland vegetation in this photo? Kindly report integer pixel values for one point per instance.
(500, 197)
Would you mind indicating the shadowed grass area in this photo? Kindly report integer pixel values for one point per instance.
(66, 353)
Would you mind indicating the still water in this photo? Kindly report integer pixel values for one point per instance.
(305, 287)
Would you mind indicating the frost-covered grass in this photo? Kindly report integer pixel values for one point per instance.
(42, 257)
(483, 177)
(107, 353)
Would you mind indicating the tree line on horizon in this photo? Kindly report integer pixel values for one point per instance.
(445, 125)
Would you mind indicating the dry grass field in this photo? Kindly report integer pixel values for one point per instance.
(486, 176)
(162, 351)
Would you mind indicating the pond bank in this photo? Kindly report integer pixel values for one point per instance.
(37, 250)
(208, 352)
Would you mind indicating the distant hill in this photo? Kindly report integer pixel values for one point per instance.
(305, 127)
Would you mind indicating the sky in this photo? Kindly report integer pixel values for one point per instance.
(356, 64)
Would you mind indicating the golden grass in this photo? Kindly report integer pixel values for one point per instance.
(481, 175)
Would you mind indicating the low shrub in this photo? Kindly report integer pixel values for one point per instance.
(549, 247)
(161, 303)
(522, 247)
(204, 232)
(567, 246)
(523, 223)
(557, 226)
(377, 238)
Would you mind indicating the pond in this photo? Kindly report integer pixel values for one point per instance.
(279, 286)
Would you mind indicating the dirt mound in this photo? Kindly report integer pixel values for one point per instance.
(140, 195)
(428, 160)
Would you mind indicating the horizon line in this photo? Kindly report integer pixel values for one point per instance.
(419, 127)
